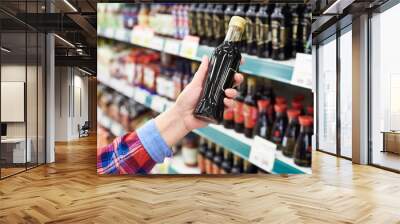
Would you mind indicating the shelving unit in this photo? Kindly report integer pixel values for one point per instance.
(105, 121)
(229, 139)
(281, 71)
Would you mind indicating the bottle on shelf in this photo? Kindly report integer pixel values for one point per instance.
(250, 112)
(209, 158)
(224, 62)
(208, 24)
(237, 165)
(192, 19)
(279, 127)
(228, 13)
(263, 31)
(249, 167)
(280, 27)
(297, 14)
(238, 109)
(189, 149)
(302, 149)
(217, 161)
(200, 22)
(306, 30)
(228, 118)
(263, 124)
(310, 111)
(241, 12)
(218, 25)
(291, 134)
(226, 165)
(201, 155)
(251, 41)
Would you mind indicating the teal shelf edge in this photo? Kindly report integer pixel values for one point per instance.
(171, 170)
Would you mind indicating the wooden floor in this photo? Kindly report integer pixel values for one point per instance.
(70, 191)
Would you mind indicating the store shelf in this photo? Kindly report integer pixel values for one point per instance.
(229, 139)
(115, 128)
(277, 70)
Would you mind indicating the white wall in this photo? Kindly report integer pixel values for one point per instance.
(71, 93)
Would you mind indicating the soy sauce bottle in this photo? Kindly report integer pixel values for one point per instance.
(297, 12)
(192, 20)
(251, 44)
(200, 22)
(208, 24)
(280, 25)
(278, 130)
(201, 156)
(263, 126)
(228, 118)
(209, 158)
(263, 32)
(228, 13)
(238, 109)
(217, 160)
(292, 132)
(250, 112)
(306, 30)
(237, 165)
(224, 62)
(226, 165)
(302, 149)
(218, 25)
(241, 12)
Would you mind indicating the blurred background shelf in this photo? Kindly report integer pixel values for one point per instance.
(281, 71)
(229, 139)
(108, 123)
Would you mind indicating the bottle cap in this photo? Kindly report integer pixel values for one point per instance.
(293, 113)
(280, 100)
(298, 98)
(237, 21)
(297, 105)
(306, 120)
(263, 104)
(280, 108)
(310, 110)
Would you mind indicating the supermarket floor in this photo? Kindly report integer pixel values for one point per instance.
(69, 191)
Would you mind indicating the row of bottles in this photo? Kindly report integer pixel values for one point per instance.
(272, 31)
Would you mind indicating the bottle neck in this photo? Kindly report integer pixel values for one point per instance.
(234, 34)
(306, 129)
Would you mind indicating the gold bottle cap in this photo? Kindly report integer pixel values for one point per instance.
(237, 21)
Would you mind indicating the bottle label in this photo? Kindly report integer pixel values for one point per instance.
(149, 78)
(250, 116)
(238, 111)
(199, 22)
(208, 25)
(209, 166)
(262, 32)
(283, 37)
(228, 114)
(226, 23)
(250, 30)
(200, 161)
(295, 23)
(275, 34)
(217, 26)
(189, 156)
(192, 23)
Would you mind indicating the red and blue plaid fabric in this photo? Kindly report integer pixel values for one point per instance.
(125, 155)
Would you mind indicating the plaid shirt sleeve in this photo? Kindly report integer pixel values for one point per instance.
(125, 155)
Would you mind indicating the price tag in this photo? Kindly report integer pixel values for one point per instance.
(302, 73)
(121, 34)
(158, 103)
(141, 96)
(262, 153)
(157, 43)
(109, 32)
(189, 46)
(172, 46)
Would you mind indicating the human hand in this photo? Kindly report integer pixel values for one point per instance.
(179, 120)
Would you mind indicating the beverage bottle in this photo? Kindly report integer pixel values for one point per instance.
(238, 109)
(310, 111)
(209, 158)
(302, 150)
(249, 167)
(297, 105)
(279, 127)
(192, 20)
(263, 126)
(224, 62)
(280, 27)
(241, 12)
(226, 165)
(218, 25)
(306, 30)
(217, 160)
(250, 112)
(251, 44)
(291, 134)
(228, 118)
(228, 13)
(208, 24)
(262, 32)
(297, 14)
(189, 150)
(200, 22)
(201, 156)
(237, 165)
(280, 100)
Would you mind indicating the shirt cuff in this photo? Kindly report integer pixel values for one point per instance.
(152, 141)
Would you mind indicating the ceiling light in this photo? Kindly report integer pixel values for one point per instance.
(70, 5)
(84, 71)
(65, 41)
(5, 49)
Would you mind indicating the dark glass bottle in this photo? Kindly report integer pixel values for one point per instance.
(238, 109)
(262, 32)
(249, 167)
(291, 134)
(200, 22)
(226, 165)
(192, 20)
(251, 44)
(280, 27)
(237, 165)
(263, 125)
(208, 24)
(297, 14)
(306, 30)
(302, 149)
(218, 25)
(217, 160)
(224, 62)
(228, 118)
(279, 127)
(228, 13)
(241, 12)
(201, 156)
(250, 112)
(209, 158)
